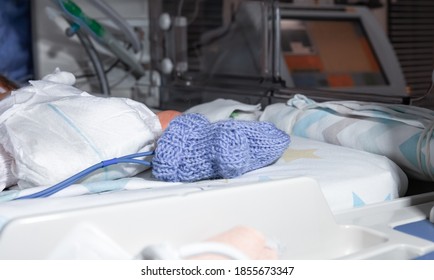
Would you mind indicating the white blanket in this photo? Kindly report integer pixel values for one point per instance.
(53, 130)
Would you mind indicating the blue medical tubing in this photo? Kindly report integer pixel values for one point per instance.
(71, 180)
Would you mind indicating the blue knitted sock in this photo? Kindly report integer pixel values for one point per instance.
(182, 153)
(243, 146)
(192, 148)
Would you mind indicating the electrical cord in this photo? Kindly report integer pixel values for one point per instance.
(128, 73)
(108, 70)
(71, 180)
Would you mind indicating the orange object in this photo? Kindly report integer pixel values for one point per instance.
(340, 80)
(304, 62)
(166, 116)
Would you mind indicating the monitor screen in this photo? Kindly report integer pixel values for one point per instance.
(330, 53)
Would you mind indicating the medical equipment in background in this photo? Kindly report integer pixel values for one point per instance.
(109, 53)
(265, 51)
(195, 51)
(91, 27)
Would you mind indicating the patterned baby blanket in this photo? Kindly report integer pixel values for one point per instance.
(402, 133)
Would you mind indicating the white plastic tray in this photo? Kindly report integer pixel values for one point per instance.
(291, 211)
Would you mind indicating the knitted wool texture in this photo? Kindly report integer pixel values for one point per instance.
(192, 148)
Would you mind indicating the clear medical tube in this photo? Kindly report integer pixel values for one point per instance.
(96, 62)
(120, 22)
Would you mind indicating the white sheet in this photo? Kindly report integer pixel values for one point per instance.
(348, 178)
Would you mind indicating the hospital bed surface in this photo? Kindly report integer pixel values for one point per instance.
(348, 179)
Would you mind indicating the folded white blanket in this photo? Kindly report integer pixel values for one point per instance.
(53, 130)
